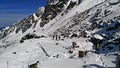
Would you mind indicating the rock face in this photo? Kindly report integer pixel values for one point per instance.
(39, 11)
(54, 7)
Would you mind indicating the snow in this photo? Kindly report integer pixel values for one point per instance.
(7, 28)
(61, 21)
(30, 51)
(97, 36)
(113, 1)
(35, 17)
(55, 53)
(76, 63)
(65, 63)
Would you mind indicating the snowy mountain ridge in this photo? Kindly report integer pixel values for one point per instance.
(46, 37)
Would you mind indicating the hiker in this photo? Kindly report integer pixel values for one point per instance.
(56, 36)
(53, 37)
(73, 45)
(59, 37)
(97, 46)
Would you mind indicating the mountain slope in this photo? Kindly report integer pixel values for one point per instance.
(80, 21)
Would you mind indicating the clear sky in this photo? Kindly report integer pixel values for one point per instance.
(13, 10)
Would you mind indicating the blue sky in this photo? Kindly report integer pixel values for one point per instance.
(13, 10)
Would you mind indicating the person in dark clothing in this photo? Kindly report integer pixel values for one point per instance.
(53, 37)
(59, 37)
(73, 45)
(56, 36)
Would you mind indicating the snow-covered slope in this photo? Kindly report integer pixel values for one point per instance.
(85, 22)
(60, 21)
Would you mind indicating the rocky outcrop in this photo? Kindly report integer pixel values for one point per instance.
(54, 7)
(22, 25)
